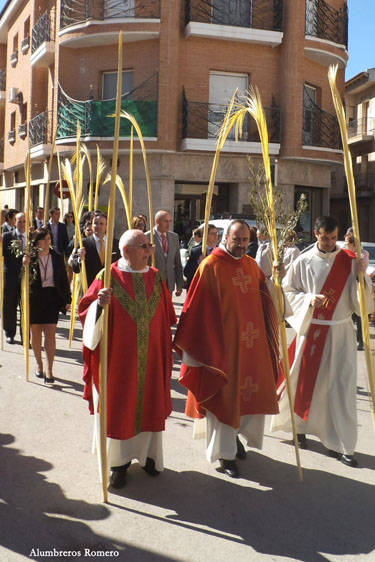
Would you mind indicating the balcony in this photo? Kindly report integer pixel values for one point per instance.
(40, 135)
(22, 130)
(12, 136)
(14, 59)
(320, 129)
(3, 81)
(324, 22)
(202, 122)
(250, 21)
(43, 40)
(95, 115)
(361, 130)
(75, 14)
(25, 45)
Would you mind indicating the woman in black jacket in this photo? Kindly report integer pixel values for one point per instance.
(49, 294)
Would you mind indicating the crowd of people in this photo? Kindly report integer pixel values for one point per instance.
(233, 373)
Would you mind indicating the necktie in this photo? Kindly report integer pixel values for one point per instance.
(20, 236)
(165, 243)
(102, 251)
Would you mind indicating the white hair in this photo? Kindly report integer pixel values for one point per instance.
(127, 238)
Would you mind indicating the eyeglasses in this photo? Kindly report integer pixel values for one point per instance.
(144, 246)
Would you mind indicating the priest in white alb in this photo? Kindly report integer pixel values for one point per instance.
(321, 287)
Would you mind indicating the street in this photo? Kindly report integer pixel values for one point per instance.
(51, 497)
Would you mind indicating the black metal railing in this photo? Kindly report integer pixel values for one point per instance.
(22, 130)
(43, 30)
(14, 58)
(3, 80)
(361, 127)
(320, 128)
(40, 129)
(78, 11)
(25, 44)
(325, 22)
(256, 14)
(203, 121)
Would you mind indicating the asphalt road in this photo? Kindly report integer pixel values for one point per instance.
(51, 500)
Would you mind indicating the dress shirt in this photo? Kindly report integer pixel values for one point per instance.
(55, 233)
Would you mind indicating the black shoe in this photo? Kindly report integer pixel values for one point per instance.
(118, 476)
(10, 340)
(229, 468)
(48, 380)
(334, 454)
(241, 453)
(360, 346)
(40, 374)
(302, 441)
(149, 467)
(349, 460)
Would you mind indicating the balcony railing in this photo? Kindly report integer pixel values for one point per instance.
(40, 129)
(320, 128)
(3, 80)
(256, 14)
(14, 58)
(43, 30)
(25, 45)
(22, 130)
(325, 22)
(95, 116)
(203, 121)
(78, 11)
(12, 136)
(361, 127)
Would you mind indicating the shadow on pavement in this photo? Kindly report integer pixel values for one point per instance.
(324, 514)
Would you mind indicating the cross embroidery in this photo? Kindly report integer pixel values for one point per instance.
(330, 296)
(248, 389)
(241, 281)
(249, 335)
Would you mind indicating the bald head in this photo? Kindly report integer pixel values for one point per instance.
(163, 221)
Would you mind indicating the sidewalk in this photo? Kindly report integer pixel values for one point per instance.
(51, 498)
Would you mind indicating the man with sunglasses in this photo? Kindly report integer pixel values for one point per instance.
(139, 357)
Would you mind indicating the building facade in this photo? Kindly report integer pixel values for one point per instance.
(182, 61)
(360, 114)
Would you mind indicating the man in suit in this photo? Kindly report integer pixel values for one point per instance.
(10, 221)
(196, 254)
(58, 229)
(93, 251)
(12, 275)
(38, 222)
(167, 252)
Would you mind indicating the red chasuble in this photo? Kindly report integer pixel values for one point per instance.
(139, 352)
(229, 325)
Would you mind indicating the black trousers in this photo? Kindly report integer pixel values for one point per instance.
(12, 295)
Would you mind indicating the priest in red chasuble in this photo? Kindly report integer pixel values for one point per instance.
(231, 369)
(139, 357)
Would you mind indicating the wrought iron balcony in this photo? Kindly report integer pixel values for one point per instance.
(3, 80)
(320, 128)
(95, 115)
(325, 22)
(256, 14)
(14, 58)
(361, 127)
(25, 45)
(74, 12)
(12, 136)
(22, 130)
(43, 30)
(40, 129)
(203, 121)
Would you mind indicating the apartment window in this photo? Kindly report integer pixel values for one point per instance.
(14, 53)
(110, 84)
(26, 27)
(222, 87)
(15, 43)
(25, 43)
(13, 121)
(309, 114)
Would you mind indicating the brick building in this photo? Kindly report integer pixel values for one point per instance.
(360, 113)
(182, 61)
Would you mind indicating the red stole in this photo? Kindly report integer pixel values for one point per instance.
(317, 334)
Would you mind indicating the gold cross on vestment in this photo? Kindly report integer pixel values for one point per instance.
(241, 281)
(249, 335)
(329, 295)
(248, 389)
